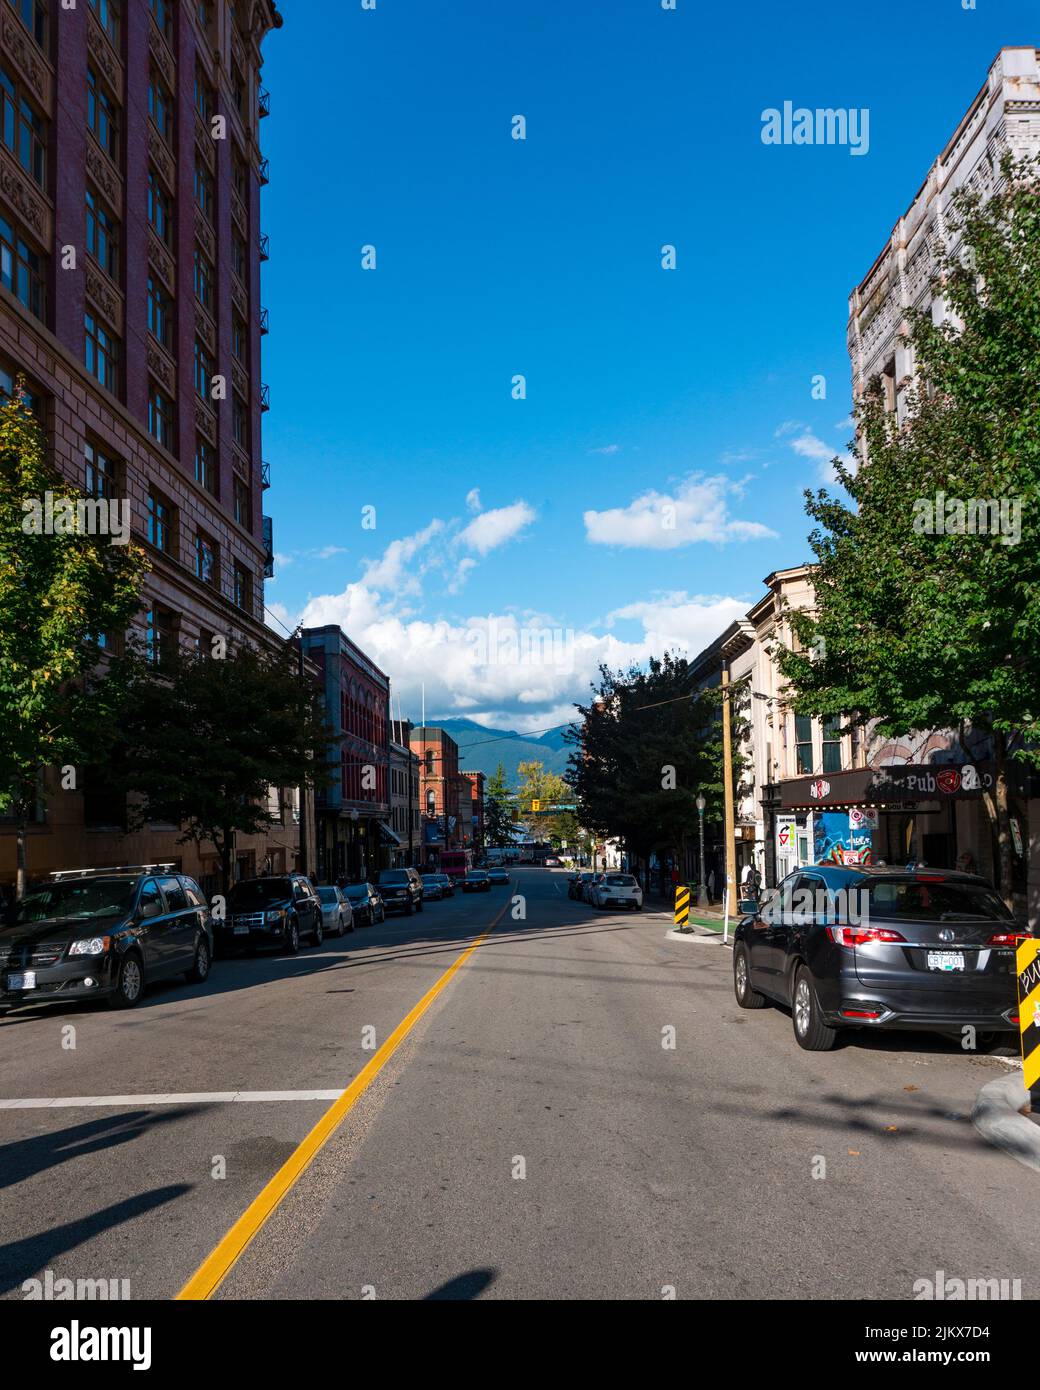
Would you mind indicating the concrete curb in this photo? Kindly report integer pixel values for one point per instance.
(997, 1116)
(710, 937)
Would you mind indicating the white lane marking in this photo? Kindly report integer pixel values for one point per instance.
(184, 1098)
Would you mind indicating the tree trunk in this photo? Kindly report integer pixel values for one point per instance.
(1002, 814)
(224, 846)
(21, 837)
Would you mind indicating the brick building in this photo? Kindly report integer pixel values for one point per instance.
(405, 818)
(130, 253)
(472, 798)
(440, 789)
(354, 837)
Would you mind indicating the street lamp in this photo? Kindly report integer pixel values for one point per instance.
(702, 891)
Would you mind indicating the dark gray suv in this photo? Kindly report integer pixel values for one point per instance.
(401, 890)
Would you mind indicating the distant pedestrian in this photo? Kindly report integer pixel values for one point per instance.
(711, 885)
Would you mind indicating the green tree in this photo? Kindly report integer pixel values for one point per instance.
(646, 745)
(60, 590)
(920, 624)
(498, 820)
(205, 738)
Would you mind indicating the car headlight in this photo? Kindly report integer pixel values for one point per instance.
(90, 946)
(275, 916)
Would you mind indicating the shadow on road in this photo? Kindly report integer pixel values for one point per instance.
(469, 1285)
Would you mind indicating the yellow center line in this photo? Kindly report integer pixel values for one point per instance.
(218, 1264)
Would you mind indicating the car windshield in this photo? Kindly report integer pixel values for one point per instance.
(80, 898)
(621, 880)
(356, 890)
(259, 892)
(327, 895)
(393, 876)
(920, 901)
(476, 873)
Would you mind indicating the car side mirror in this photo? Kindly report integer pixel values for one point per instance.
(747, 907)
(151, 908)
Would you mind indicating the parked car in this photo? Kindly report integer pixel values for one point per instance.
(576, 884)
(401, 890)
(337, 915)
(881, 948)
(433, 888)
(366, 903)
(498, 876)
(278, 910)
(589, 886)
(104, 934)
(552, 863)
(477, 881)
(618, 890)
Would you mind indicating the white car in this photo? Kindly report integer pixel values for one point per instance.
(617, 890)
(337, 916)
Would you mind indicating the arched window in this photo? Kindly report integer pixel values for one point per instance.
(431, 803)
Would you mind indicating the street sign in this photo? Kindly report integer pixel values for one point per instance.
(1028, 967)
(536, 806)
(682, 907)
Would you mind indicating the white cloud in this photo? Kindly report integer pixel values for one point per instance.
(394, 569)
(607, 449)
(491, 529)
(473, 499)
(808, 446)
(698, 510)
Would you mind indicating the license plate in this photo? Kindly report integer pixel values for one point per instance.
(241, 931)
(945, 960)
(27, 980)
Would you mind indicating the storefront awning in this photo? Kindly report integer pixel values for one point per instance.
(388, 836)
(897, 785)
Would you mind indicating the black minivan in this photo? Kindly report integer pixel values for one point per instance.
(401, 889)
(104, 934)
(856, 947)
(278, 910)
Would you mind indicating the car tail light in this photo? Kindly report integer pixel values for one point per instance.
(867, 1011)
(1008, 938)
(862, 936)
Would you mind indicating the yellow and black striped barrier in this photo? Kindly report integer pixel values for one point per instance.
(682, 908)
(1028, 967)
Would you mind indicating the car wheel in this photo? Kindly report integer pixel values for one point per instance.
(419, 905)
(382, 913)
(318, 934)
(343, 928)
(747, 997)
(199, 972)
(292, 936)
(809, 1030)
(410, 908)
(129, 983)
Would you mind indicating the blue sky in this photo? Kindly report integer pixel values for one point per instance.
(688, 388)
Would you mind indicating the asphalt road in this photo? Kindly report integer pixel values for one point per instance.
(534, 1136)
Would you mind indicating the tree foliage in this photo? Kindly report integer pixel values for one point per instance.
(498, 820)
(930, 626)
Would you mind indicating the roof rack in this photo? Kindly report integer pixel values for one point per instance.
(60, 874)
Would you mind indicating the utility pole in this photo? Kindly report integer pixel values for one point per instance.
(727, 788)
(303, 787)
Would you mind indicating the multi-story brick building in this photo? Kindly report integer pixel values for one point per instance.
(354, 838)
(130, 253)
(404, 796)
(440, 785)
(473, 809)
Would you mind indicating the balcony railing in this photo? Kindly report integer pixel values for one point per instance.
(265, 247)
(265, 322)
(265, 397)
(264, 102)
(265, 475)
(264, 171)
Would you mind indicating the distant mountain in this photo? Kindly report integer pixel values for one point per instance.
(481, 749)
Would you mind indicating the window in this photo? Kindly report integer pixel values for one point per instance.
(160, 522)
(102, 116)
(203, 11)
(160, 209)
(832, 743)
(160, 105)
(22, 270)
(23, 131)
(176, 898)
(34, 17)
(207, 567)
(160, 312)
(240, 176)
(203, 280)
(101, 472)
(162, 13)
(203, 371)
(239, 421)
(102, 352)
(239, 90)
(204, 195)
(205, 465)
(102, 235)
(431, 803)
(243, 589)
(243, 510)
(239, 339)
(205, 102)
(238, 256)
(160, 635)
(803, 740)
(160, 418)
(107, 12)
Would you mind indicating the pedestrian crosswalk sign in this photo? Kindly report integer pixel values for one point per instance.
(682, 907)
